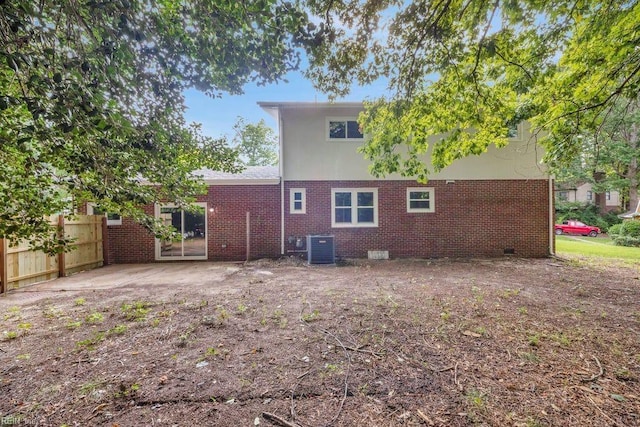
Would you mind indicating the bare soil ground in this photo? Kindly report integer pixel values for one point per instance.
(508, 342)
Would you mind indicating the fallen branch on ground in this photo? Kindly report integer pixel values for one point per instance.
(277, 420)
(595, 376)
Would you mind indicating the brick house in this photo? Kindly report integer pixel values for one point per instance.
(583, 192)
(500, 202)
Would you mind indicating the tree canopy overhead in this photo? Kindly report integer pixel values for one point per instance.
(456, 65)
(256, 143)
(91, 98)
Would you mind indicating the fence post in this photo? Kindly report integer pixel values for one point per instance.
(62, 268)
(105, 241)
(248, 236)
(4, 274)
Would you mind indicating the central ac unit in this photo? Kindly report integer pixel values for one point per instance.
(321, 249)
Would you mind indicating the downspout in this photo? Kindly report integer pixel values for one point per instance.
(552, 248)
(281, 168)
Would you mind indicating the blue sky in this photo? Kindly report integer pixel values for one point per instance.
(217, 115)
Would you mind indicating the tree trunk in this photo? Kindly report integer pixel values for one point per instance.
(632, 172)
(600, 199)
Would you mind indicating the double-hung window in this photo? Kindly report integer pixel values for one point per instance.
(354, 207)
(420, 199)
(297, 200)
(343, 129)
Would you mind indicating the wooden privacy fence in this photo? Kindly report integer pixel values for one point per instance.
(20, 266)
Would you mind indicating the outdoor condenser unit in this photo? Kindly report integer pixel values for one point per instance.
(321, 249)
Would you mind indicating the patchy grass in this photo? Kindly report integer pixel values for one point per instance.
(594, 247)
(397, 343)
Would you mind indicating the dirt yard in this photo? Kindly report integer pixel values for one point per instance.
(507, 342)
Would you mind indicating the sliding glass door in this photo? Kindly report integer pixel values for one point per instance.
(191, 242)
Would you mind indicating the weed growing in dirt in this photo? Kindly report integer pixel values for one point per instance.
(241, 308)
(481, 330)
(624, 374)
(125, 391)
(331, 368)
(530, 357)
(51, 312)
(90, 387)
(311, 317)
(10, 335)
(79, 301)
(534, 340)
(136, 311)
(523, 311)
(25, 326)
(476, 398)
(91, 343)
(25, 356)
(509, 293)
(73, 325)
(211, 352)
(478, 295)
(14, 312)
(561, 339)
(118, 330)
(532, 422)
(223, 315)
(94, 318)
(183, 339)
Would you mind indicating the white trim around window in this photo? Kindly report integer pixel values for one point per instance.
(297, 200)
(112, 218)
(354, 207)
(341, 129)
(192, 241)
(421, 200)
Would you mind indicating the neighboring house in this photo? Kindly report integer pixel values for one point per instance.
(500, 202)
(584, 193)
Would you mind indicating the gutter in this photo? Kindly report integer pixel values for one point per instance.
(281, 167)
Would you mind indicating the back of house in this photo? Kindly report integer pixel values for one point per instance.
(500, 202)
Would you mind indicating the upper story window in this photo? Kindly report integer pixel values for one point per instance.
(297, 200)
(354, 207)
(514, 131)
(589, 195)
(343, 129)
(608, 195)
(420, 199)
(563, 195)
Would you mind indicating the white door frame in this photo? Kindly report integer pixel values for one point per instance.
(158, 250)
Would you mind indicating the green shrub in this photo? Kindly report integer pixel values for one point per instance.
(614, 230)
(628, 234)
(630, 228)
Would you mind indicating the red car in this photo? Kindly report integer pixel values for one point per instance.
(577, 227)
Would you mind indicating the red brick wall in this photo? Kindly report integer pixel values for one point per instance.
(226, 226)
(130, 242)
(471, 219)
